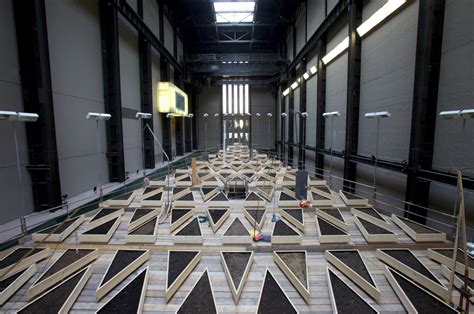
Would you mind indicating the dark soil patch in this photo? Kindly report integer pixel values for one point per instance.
(347, 301)
(253, 197)
(372, 228)
(282, 229)
(148, 190)
(156, 197)
(406, 257)
(236, 229)
(417, 227)
(263, 179)
(147, 228)
(213, 179)
(178, 261)
(286, 197)
(334, 212)
(200, 299)
(69, 257)
(272, 299)
(216, 214)
(187, 197)
(185, 179)
(121, 260)
(127, 300)
(17, 255)
(459, 256)
(257, 214)
(327, 228)
(371, 212)
(225, 175)
(140, 212)
(248, 175)
(351, 196)
(177, 213)
(123, 197)
(220, 197)
(421, 300)
(105, 212)
(177, 190)
(324, 189)
(6, 282)
(103, 228)
(62, 226)
(206, 191)
(54, 299)
(296, 213)
(191, 229)
(318, 197)
(296, 262)
(236, 263)
(354, 261)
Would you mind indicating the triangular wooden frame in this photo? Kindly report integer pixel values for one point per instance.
(87, 236)
(357, 211)
(286, 239)
(331, 238)
(147, 202)
(132, 237)
(375, 237)
(17, 283)
(236, 291)
(215, 225)
(342, 224)
(194, 239)
(419, 237)
(118, 201)
(24, 262)
(170, 290)
(181, 220)
(251, 219)
(233, 239)
(44, 236)
(295, 222)
(448, 261)
(95, 222)
(359, 201)
(299, 286)
(143, 219)
(205, 272)
(268, 272)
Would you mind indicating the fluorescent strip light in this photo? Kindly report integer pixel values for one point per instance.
(8, 115)
(381, 14)
(378, 114)
(27, 117)
(294, 85)
(286, 92)
(306, 76)
(332, 114)
(340, 48)
(313, 69)
(467, 113)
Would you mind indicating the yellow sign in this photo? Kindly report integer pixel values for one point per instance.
(172, 99)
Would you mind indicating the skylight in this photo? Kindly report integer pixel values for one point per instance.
(234, 12)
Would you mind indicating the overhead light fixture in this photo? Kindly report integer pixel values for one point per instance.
(340, 48)
(8, 115)
(269, 115)
(313, 69)
(234, 12)
(306, 76)
(205, 115)
(143, 115)
(191, 115)
(284, 114)
(467, 113)
(457, 114)
(331, 114)
(304, 114)
(378, 114)
(169, 115)
(381, 14)
(286, 92)
(216, 115)
(98, 116)
(294, 85)
(27, 117)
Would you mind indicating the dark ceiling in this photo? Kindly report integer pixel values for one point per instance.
(196, 22)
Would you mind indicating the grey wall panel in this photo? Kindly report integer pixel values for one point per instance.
(296, 117)
(157, 124)
(262, 101)
(289, 47)
(316, 15)
(76, 73)
(332, 4)
(180, 50)
(11, 99)
(456, 87)
(287, 119)
(209, 102)
(301, 30)
(133, 4)
(151, 16)
(387, 74)
(168, 29)
(311, 121)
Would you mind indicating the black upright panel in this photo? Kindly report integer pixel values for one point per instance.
(425, 99)
(33, 54)
(179, 129)
(112, 95)
(291, 124)
(320, 107)
(302, 124)
(353, 95)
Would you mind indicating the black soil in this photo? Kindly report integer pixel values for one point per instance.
(69, 257)
(262, 179)
(178, 261)
(327, 228)
(185, 179)
(148, 190)
(121, 260)
(248, 175)
(371, 212)
(459, 256)
(286, 197)
(103, 228)
(105, 212)
(296, 262)
(191, 229)
(140, 212)
(16, 255)
(354, 261)
(187, 197)
(177, 213)
(351, 196)
(324, 189)
(257, 214)
(225, 175)
(318, 197)
(347, 301)
(123, 197)
(177, 190)
(216, 214)
(236, 263)
(156, 197)
(127, 300)
(253, 197)
(6, 282)
(220, 197)
(206, 191)
(421, 300)
(296, 213)
(200, 299)
(372, 228)
(406, 257)
(334, 212)
(212, 179)
(272, 299)
(417, 227)
(470, 282)
(66, 224)
(147, 228)
(282, 229)
(236, 229)
(54, 299)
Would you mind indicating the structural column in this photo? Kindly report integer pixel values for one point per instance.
(33, 55)
(291, 124)
(302, 124)
(320, 107)
(425, 99)
(353, 95)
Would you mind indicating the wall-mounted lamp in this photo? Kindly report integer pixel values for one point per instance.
(190, 116)
(313, 69)
(284, 115)
(205, 115)
(304, 114)
(269, 115)
(294, 85)
(143, 115)
(381, 14)
(169, 115)
(378, 114)
(286, 92)
(306, 76)
(216, 115)
(331, 114)
(98, 116)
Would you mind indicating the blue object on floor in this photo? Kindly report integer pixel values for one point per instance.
(275, 217)
(202, 219)
(266, 238)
